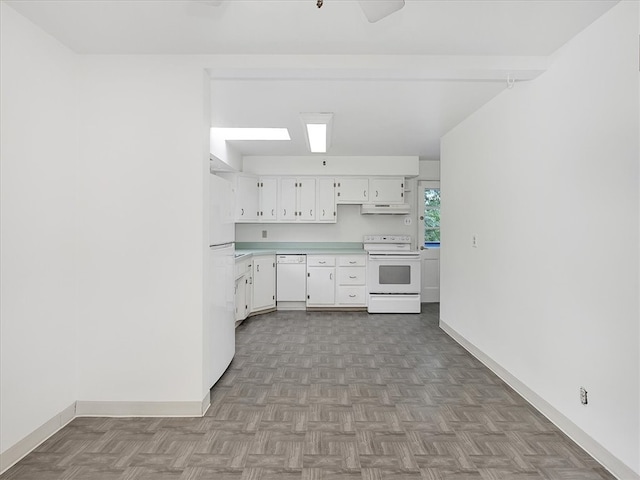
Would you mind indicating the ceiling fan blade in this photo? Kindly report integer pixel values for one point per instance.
(376, 10)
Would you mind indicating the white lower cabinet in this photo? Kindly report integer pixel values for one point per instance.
(321, 280)
(243, 290)
(336, 280)
(351, 289)
(264, 283)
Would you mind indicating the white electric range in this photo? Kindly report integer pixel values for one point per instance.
(393, 275)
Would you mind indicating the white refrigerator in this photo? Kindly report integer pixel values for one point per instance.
(220, 327)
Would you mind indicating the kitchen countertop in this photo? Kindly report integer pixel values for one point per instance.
(298, 248)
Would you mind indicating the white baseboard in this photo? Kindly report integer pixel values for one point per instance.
(87, 408)
(83, 408)
(585, 441)
(17, 452)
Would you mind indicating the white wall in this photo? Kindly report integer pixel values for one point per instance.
(39, 228)
(547, 175)
(142, 213)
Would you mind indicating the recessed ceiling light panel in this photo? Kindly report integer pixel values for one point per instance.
(317, 127)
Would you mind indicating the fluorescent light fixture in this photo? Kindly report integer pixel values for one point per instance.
(318, 131)
(250, 133)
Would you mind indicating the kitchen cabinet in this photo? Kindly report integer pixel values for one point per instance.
(243, 289)
(297, 199)
(268, 199)
(246, 198)
(326, 200)
(386, 190)
(264, 283)
(352, 190)
(320, 281)
(351, 290)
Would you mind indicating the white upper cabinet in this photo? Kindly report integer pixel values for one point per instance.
(297, 199)
(326, 200)
(352, 190)
(307, 199)
(268, 193)
(386, 190)
(288, 199)
(246, 198)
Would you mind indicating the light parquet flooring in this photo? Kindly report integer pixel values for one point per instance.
(330, 396)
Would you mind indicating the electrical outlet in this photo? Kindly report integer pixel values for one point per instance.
(407, 220)
(264, 234)
(583, 396)
(474, 240)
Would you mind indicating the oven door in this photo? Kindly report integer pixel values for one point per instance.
(394, 273)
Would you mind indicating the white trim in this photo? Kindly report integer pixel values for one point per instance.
(17, 452)
(29, 443)
(141, 409)
(603, 456)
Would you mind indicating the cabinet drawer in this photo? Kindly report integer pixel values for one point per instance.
(352, 260)
(320, 261)
(352, 295)
(352, 276)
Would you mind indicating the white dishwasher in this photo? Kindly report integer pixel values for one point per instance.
(291, 282)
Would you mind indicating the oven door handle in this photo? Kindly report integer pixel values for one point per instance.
(392, 256)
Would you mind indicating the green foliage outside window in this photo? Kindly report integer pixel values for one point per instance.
(432, 215)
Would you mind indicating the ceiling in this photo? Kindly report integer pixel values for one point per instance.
(400, 114)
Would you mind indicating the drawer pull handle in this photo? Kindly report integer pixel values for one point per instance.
(323, 262)
(352, 262)
(352, 276)
(352, 296)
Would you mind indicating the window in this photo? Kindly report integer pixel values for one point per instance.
(431, 217)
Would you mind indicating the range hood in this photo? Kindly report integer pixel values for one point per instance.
(385, 209)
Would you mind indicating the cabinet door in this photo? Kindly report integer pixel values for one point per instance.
(248, 292)
(268, 199)
(352, 190)
(241, 298)
(307, 199)
(386, 190)
(321, 288)
(326, 200)
(247, 198)
(264, 282)
(287, 199)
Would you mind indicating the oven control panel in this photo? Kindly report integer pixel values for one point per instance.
(387, 239)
